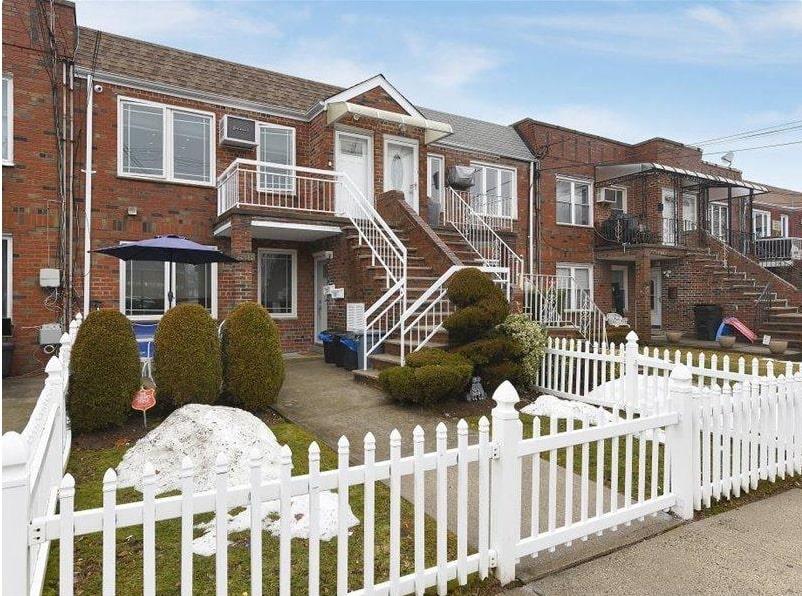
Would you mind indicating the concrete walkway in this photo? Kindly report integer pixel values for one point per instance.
(755, 549)
(329, 403)
(19, 397)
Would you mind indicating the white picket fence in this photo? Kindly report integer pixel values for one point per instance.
(747, 422)
(33, 464)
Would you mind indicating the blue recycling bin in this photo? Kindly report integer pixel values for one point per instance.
(329, 346)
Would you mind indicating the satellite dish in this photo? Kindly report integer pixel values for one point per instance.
(728, 157)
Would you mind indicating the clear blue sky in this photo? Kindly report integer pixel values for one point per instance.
(630, 70)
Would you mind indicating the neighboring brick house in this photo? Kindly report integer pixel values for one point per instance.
(608, 213)
(355, 177)
(157, 161)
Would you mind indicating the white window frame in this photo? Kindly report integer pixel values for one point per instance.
(8, 270)
(724, 220)
(785, 225)
(167, 150)
(694, 219)
(294, 266)
(622, 190)
(573, 267)
(8, 127)
(429, 159)
(625, 270)
(293, 157)
(574, 180)
(514, 198)
(762, 214)
(167, 271)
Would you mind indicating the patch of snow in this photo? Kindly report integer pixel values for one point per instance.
(299, 522)
(201, 432)
(554, 407)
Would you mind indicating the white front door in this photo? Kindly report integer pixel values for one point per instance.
(689, 212)
(321, 306)
(352, 157)
(401, 169)
(669, 217)
(657, 297)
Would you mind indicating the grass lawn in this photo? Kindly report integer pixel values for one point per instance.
(89, 461)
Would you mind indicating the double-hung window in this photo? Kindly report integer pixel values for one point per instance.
(145, 287)
(435, 187)
(278, 281)
(784, 221)
(576, 282)
(761, 223)
(573, 202)
(8, 120)
(493, 191)
(277, 145)
(165, 143)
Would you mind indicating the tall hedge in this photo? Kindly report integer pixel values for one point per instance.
(253, 365)
(104, 372)
(187, 367)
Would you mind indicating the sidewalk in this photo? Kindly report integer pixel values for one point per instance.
(755, 549)
(19, 398)
(326, 401)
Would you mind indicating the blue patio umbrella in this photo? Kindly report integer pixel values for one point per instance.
(170, 249)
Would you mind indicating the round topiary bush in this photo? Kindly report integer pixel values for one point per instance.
(495, 360)
(481, 305)
(253, 365)
(104, 372)
(187, 367)
(430, 375)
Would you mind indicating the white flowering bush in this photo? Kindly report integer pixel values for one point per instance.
(529, 339)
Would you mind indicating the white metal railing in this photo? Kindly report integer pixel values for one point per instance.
(556, 301)
(773, 252)
(424, 318)
(33, 464)
(263, 184)
(479, 234)
(496, 211)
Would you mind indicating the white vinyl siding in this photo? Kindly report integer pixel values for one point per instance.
(573, 202)
(161, 142)
(493, 191)
(8, 120)
(276, 145)
(278, 282)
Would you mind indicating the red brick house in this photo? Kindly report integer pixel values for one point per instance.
(329, 197)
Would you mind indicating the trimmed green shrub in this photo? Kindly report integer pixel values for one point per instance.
(187, 367)
(495, 359)
(253, 365)
(481, 305)
(430, 376)
(104, 372)
(528, 343)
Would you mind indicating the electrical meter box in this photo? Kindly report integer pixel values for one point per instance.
(49, 334)
(49, 278)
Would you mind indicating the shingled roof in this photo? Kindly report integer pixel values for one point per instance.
(161, 64)
(133, 58)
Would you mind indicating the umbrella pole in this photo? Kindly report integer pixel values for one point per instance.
(170, 291)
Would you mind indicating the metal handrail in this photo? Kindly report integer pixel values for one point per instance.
(556, 301)
(480, 236)
(762, 306)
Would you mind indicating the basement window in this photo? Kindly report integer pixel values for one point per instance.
(162, 142)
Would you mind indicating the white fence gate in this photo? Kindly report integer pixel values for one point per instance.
(33, 463)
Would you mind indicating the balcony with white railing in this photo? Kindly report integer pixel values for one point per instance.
(778, 252)
(497, 211)
(253, 184)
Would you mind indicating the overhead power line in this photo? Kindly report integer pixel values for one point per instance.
(746, 132)
(753, 148)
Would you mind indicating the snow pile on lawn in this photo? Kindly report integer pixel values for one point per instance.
(612, 393)
(200, 432)
(554, 407)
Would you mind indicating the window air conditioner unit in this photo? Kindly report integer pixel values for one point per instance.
(237, 132)
(603, 198)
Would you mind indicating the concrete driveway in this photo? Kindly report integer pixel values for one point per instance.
(20, 395)
(755, 549)
(329, 403)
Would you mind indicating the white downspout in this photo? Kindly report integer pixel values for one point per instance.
(88, 192)
(531, 215)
